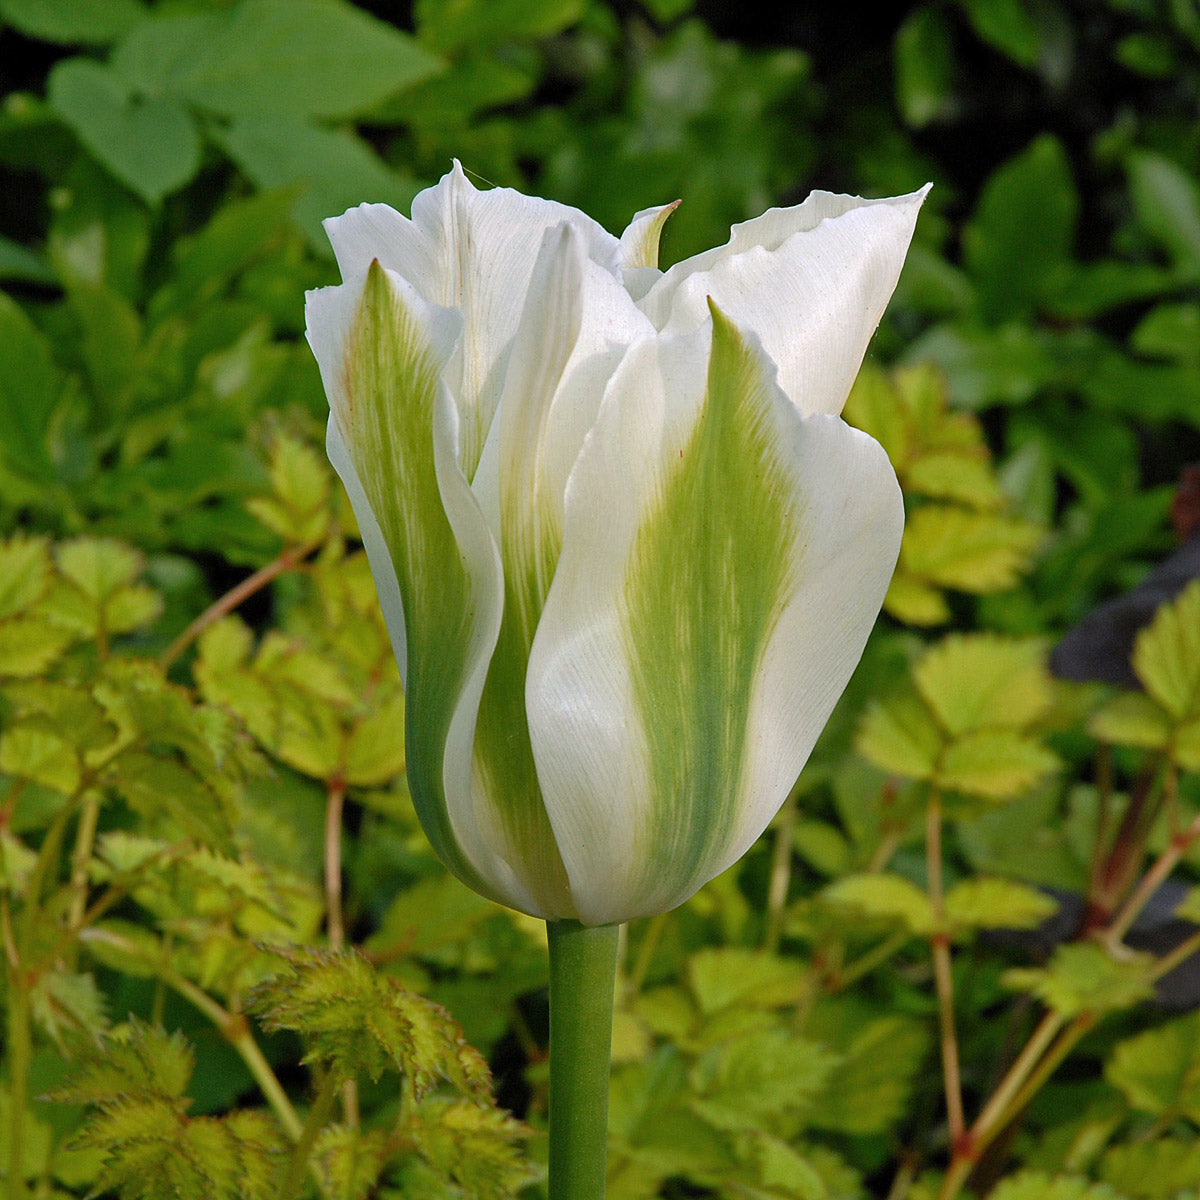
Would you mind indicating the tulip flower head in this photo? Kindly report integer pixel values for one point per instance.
(627, 551)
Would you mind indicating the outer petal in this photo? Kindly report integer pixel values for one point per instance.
(576, 326)
(811, 281)
(381, 351)
(723, 562)
(473, 251)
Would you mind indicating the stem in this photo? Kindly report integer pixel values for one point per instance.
(81, 856)
(316, 1120)
(940, 945)
(223, 605)
(20, 1053)
(233, 1026)
(1151, 881)
(781, 874)
(866, 963)
(994, 1111)
(583, 963)
(645, 954)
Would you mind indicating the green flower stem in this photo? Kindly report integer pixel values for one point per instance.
(583, 964)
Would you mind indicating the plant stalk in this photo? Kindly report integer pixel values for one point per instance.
(583, 964)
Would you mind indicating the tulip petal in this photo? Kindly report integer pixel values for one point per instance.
(381, 351)
(811, 281)
(473, 251)
(724, 559)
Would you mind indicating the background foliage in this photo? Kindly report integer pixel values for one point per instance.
(232, 966)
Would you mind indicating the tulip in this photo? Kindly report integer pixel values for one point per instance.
(627, 551)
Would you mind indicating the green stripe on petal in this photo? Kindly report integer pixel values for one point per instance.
(723, 561)
(710, 571)
(391, 404)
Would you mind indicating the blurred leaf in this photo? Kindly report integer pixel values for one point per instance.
(30, 386)
(1166, 202)
(275, 58)
(984, 903)
(994, 763)
(1159, 1070)
(884, 897)
(980, 681)
(1165, 1169)
(149, 143)
(1008, 26)
(721, 977)
(1084, 978)
(92, 22)
(899, 734)
(924, 66)
(1037, 1185)
(1166, 655)
(447, 27)
(20, 263)
(1023, 226)
(336, 169)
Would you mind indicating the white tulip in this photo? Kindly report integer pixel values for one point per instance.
(628, 552)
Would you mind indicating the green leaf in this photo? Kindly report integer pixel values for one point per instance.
(472, 1149)
(749, 1082)
(1024, 224)
(137, 1061)
(336, 169)
(278, 58)
(348, 1162)
(24, 265)
(1159, 1070)
(66, 1002)
(1083, 977)
(976, 552)
(1165, 1169)
(721, 978)
(1008, 26)
(982, 681)
(994, 763)
(900, 735)
(1166, 654)
(298, 509)
(924, 65)
(24, 573)
(1166, 203)
(450, 27)
(870, 1089)
(1132, 719)
(983, 903)
(358, 1021)
(39, 755)
(30, 385)
(92, 22)
(884, 897)
(1037, 1185)
(149, 143)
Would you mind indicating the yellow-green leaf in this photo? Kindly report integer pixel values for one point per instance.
(975, 552)
(885, 897)
(1166, 654)
(988, 903)
(899, 734)
(994, 763)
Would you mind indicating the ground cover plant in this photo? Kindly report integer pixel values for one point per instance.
(962, 958)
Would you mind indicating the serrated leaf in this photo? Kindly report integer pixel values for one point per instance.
(1165, 1169)
(723, 977)
(298, 509)
(1132, 719)
(137, 1061)
(68, 1002)
(374, 752)
(749, 1082)
(899, 734)
(1166, 654)
(983, 903)
(1083, 977)
(348, 1161)
(975, 552)
(16, 862)
(994, 764)
(1038, 1185)
(910, 600)
(967, 478)
(884, 897)
(30, 646)
(39, 755)
(1159, 1070)
(474, 1149)
(981, 681)
(24, 573)
(358, 1021)
(160, 788)
(870, 1089)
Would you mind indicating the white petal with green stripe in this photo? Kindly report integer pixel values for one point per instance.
(723, 562)
(382, 352)
(811, 281)
(472, 251)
